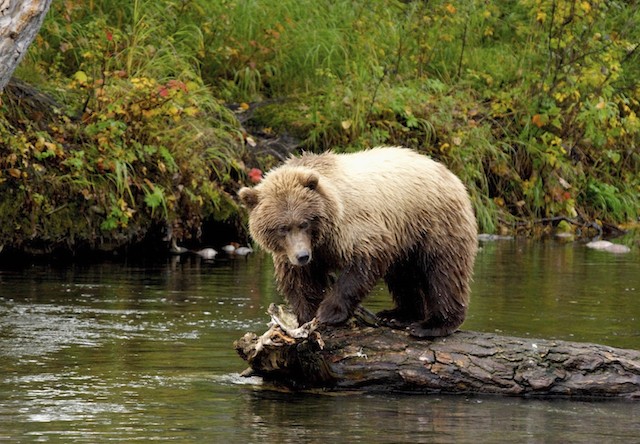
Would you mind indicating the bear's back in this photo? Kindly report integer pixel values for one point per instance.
(392, 190)
(375, 164)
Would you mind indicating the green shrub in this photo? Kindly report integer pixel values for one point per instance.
(534, 104)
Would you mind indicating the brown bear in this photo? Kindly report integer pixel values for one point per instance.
(337, 223)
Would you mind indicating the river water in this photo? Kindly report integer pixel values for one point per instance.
(143, 352)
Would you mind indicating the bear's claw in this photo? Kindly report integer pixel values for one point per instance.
(394, 319)
(418, 330)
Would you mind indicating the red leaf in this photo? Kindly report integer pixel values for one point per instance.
(255, 175)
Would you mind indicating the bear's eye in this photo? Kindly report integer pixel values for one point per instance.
(303, 225)
(283, 230)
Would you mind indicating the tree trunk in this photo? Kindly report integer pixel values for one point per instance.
(381, 359)
(20, 21)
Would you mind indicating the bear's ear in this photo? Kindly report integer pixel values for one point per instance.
(248, 196)
(310, 180)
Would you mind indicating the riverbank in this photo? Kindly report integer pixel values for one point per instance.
(136, 123)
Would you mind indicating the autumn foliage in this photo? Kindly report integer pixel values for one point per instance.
(534, 104)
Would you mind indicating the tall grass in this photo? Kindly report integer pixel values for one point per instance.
(533, 103)
(543, 91)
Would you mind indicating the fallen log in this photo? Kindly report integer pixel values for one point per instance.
(365, 358)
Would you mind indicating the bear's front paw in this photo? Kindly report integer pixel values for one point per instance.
(332, 314)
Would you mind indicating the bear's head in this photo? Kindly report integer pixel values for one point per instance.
(290, 212)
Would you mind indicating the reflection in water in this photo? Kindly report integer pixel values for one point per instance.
(409, 419)
(562, 291)
(130, 352)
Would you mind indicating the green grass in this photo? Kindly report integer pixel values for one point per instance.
(534, 104)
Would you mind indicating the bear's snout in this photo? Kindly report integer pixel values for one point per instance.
(298, 248)
(303, 258)
(300, 257)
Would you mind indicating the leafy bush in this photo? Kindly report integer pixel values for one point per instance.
(533, 103)
(527, 101)
(134, 142)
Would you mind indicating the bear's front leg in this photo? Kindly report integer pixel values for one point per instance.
(302, 287)
(352, 285)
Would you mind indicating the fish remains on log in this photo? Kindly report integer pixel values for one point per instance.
(367, 358)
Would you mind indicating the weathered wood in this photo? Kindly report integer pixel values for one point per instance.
(20, 21)
(356, 357)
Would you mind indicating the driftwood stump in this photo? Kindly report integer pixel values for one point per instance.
(358, 357)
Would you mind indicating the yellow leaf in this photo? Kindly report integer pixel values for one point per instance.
(191, 111)
(346, 124)
(150, 113)
(14, 172)
(192, 86)
(450, 8)
(446, 37)
(81, 77)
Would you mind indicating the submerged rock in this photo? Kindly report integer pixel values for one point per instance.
(243, 251)
(609, 247)
(230, 248)
(206, 253)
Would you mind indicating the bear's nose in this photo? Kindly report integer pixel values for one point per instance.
(303, 258)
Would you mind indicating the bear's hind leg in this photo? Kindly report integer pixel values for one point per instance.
(407, 295)
(446, 280)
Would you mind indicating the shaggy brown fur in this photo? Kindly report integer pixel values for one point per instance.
(383, 213)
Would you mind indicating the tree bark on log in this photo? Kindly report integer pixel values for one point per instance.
(20, 21)
(357, 357)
